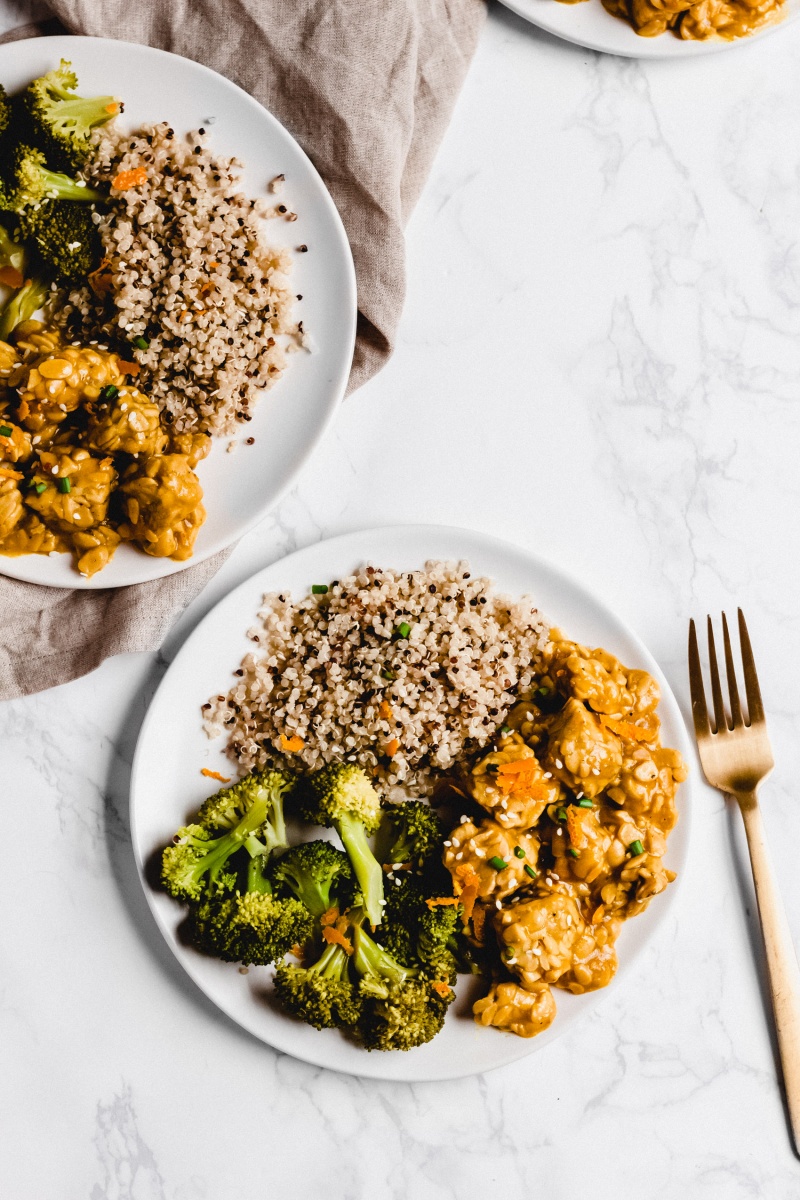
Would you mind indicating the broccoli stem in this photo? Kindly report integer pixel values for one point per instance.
(367, 869)
(375, 965)
(256, 879)
(22, 305)
(62, 187)
(332, 963)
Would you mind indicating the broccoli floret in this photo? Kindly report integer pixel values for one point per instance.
(248, 927)
(251, 815)
(322, 995)
(411, 1014)
(410, 832)
(5, 110)
(376, 968)
(420, 935)
(22, 305)
(341, 796)
(60, 121)
(317, 874)
(65, 237)
(31, 182)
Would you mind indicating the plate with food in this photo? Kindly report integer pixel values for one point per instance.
(177, 311)
(649, 29)
(408, 800)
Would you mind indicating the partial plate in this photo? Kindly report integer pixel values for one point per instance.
(240, 488)
(167, 786)
(588, 24)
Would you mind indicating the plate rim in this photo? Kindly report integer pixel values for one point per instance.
(518, 1048)
(648, 48)
(337, 386)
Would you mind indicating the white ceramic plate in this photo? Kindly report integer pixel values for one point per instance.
(588, 24)
(166, 787)
(240, 488)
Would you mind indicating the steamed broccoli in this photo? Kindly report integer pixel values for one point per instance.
(321, 995)
(251, 926)
(65, 237)
(60, 121)
(420, 934)
(400, 1009)
(410, 832)
(341, 796)
(22, 305)
(5, 110)
(30, 182)
(317, 874)
(251, 815)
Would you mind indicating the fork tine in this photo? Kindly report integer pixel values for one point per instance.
(720, 719)
(755, 708)
(699, 711)
(730, 671)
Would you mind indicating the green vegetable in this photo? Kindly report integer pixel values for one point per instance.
(342, 796)
(572, 852)
(520, 853)
(388, 673)
(505, 729)
(6, 431)
(322, 995)
(498, 863)
(65, 237)
(39, 488)
(250, 926)
(59, 121)
(142, 344)
(31, 182)
(249, 814)
(316, 874)
(109, 392)
(319, 589)
(585, 803)
(561, 814)
(409, 832)
(636, 848)
(64, 484)
(403, 629)
(22, 305)
(530, 871)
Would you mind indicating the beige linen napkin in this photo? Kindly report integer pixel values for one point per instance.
(367, 88)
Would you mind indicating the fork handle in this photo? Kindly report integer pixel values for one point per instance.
(782, 968)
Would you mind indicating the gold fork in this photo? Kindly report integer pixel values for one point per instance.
(736, 757)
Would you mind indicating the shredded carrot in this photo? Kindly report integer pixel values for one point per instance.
(292, 745)
(11, 277)
(184, 313)
(433, 901)
(215, 775)
(329, 917)
(7, 473)
(297, 951)
(478, 922)
(214, 263)
(575, 829)
(469, 881)
(626, 729)
(392, 747)
(112, 108)
(518, 776)
(441, 988)
(128, 368)
(129, 179)
(333, 935)
(385, 710)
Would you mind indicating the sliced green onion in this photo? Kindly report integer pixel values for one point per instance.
(64, 484)
(403, 629)
(530, 871)
(572, 853)
(543, 691)
(585, 803)
(636, 847)
(6, 431)
(109, 392)
(140, 343)
(505, 729)
(319, 589)
(561, 814)
(498, 863)
(386, 673)
(520, 853)
(39, 488)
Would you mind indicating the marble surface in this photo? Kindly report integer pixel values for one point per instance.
(599, 359)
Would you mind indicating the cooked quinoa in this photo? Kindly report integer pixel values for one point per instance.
(401, 672)
(187, 269)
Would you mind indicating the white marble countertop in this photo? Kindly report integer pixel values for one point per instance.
(599, 359)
